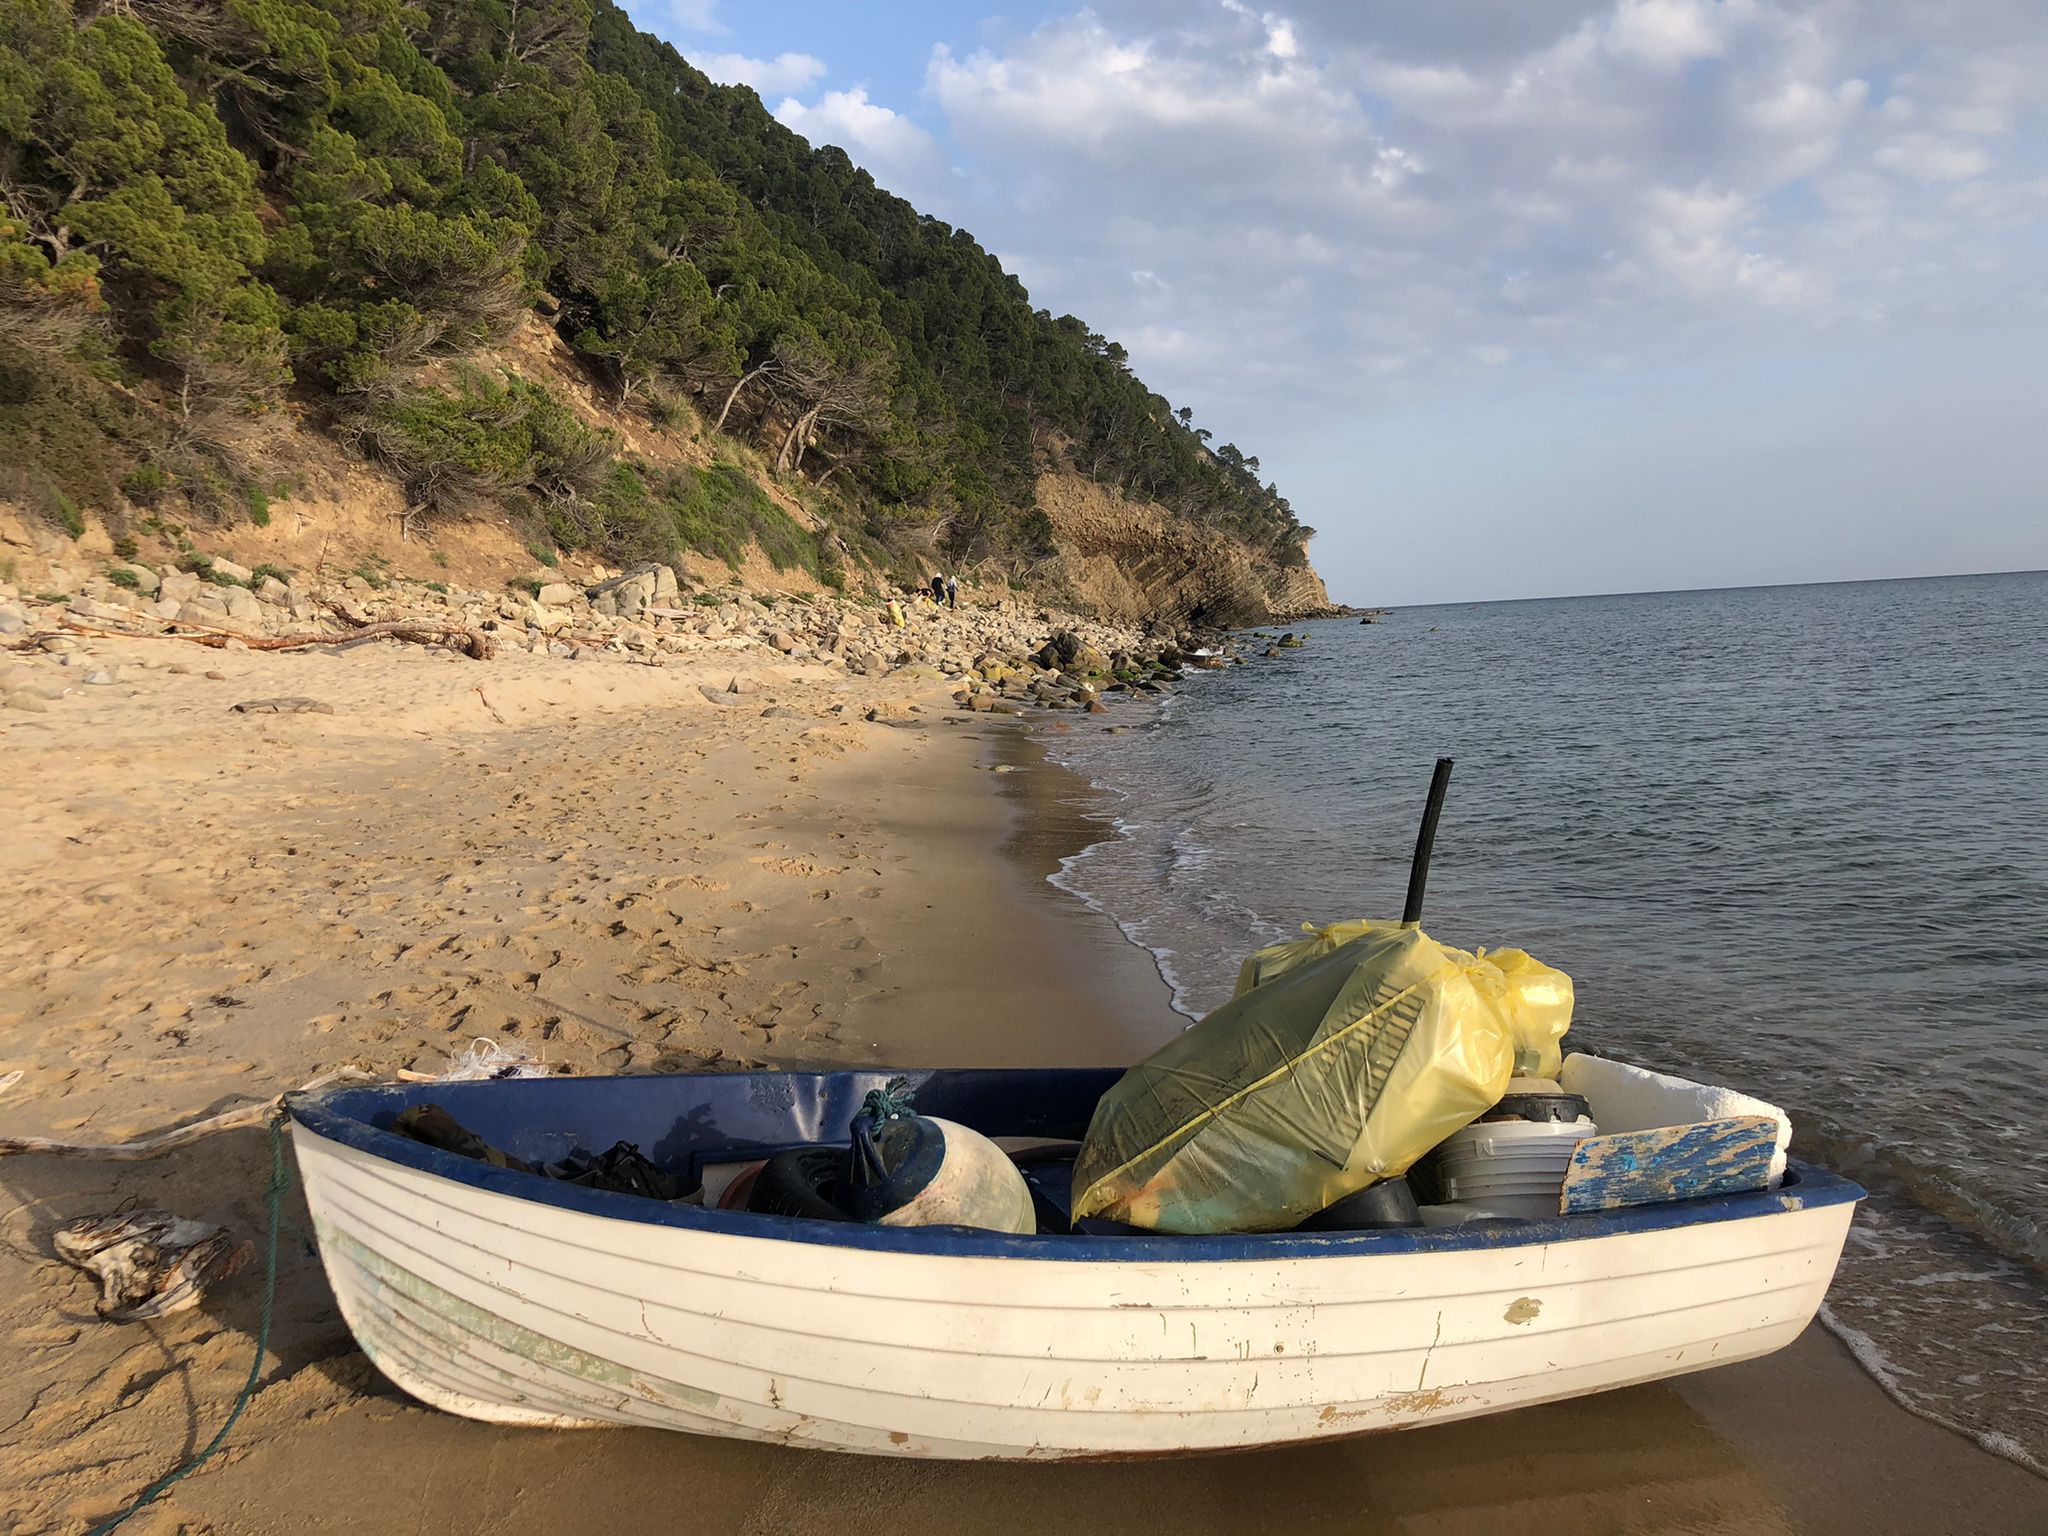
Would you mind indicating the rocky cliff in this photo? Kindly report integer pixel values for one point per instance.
(1134, 561)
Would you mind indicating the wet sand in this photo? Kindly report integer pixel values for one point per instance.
(605, 870)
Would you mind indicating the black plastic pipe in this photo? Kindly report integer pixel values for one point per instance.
(1425, 840)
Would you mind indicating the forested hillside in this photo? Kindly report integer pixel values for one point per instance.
(220, 213)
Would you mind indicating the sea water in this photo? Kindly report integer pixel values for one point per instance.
(1792, 839)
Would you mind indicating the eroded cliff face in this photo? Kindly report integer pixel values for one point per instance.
(1133, 561)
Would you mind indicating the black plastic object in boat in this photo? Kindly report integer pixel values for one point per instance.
(1376, 1208)
(1563, 1107)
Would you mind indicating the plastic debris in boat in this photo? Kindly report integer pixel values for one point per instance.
(149, 1264)
(433, 1126)
(624, 1170)
(904, 1169)
(1343, 1059)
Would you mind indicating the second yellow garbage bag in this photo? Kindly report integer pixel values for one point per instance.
(1328, 1072)
(1538, 1004)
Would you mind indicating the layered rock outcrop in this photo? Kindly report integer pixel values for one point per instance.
(1134, 562)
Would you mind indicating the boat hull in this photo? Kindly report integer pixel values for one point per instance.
(520, 1311)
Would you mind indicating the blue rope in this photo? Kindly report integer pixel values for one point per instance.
(280, 1181)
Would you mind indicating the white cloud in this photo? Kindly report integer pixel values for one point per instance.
(784, 73)
(1669, 33)
(1338, 193)
(1928, 157)
(889, 146)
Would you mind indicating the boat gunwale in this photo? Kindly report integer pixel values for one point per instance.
(1807, 1187)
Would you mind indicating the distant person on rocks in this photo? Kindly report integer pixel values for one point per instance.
(952, 591)
(938, 589)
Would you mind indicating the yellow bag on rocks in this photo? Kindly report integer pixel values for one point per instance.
(1343, 1058)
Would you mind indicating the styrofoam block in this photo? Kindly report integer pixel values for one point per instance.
(1625, 1098)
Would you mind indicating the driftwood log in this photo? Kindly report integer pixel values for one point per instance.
(473, 643)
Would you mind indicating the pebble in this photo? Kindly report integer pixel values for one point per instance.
(101, 677)
(291, 705)
(29, 703)
(218, 677)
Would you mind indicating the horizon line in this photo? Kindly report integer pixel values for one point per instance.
(1749, 586)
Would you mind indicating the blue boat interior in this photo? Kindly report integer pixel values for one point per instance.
(684, 1121)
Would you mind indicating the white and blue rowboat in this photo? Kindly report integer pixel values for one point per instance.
(510, 1297)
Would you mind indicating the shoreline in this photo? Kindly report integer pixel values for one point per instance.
(598, 865)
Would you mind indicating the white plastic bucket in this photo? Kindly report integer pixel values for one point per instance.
(1494, 1189)
(1506, 1138)
(1510, 1166)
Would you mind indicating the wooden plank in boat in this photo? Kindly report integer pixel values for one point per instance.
(1674, 1162)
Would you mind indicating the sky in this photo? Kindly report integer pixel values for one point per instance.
(1511, 297)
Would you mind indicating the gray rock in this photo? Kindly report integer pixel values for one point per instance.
(146, 580)
(271, 590)
(102, 677)
(719, 695)
(178, 586)
(28, 703)
(232, 571)
(242, 605)
(558, 594)
(291, 705)
(57, 645)
(12, 620)
(627, 596)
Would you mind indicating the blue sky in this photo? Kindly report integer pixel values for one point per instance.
(1512, 297)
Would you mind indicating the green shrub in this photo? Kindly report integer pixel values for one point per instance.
(544, 555)
(486, 438)
(530, 585)
(259, 506)
(121, 576)
(126, 548)
(69, 518)
(145, 484)
(276, 573)
(376, 579)
(437, 586)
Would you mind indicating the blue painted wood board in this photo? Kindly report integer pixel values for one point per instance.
(1674, 1162)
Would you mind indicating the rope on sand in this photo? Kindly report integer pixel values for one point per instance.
(280, 1181)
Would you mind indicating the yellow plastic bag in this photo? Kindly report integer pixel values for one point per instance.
(1274, 959)
(1348, 1056)
(1538, 1003)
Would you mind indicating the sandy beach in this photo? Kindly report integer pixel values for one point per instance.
(594, 864)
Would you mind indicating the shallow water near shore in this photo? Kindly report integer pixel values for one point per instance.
(1793, 839)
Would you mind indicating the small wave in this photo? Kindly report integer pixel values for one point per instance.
(1879, 1367)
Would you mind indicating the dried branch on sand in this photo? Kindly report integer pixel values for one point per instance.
(473, 643)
